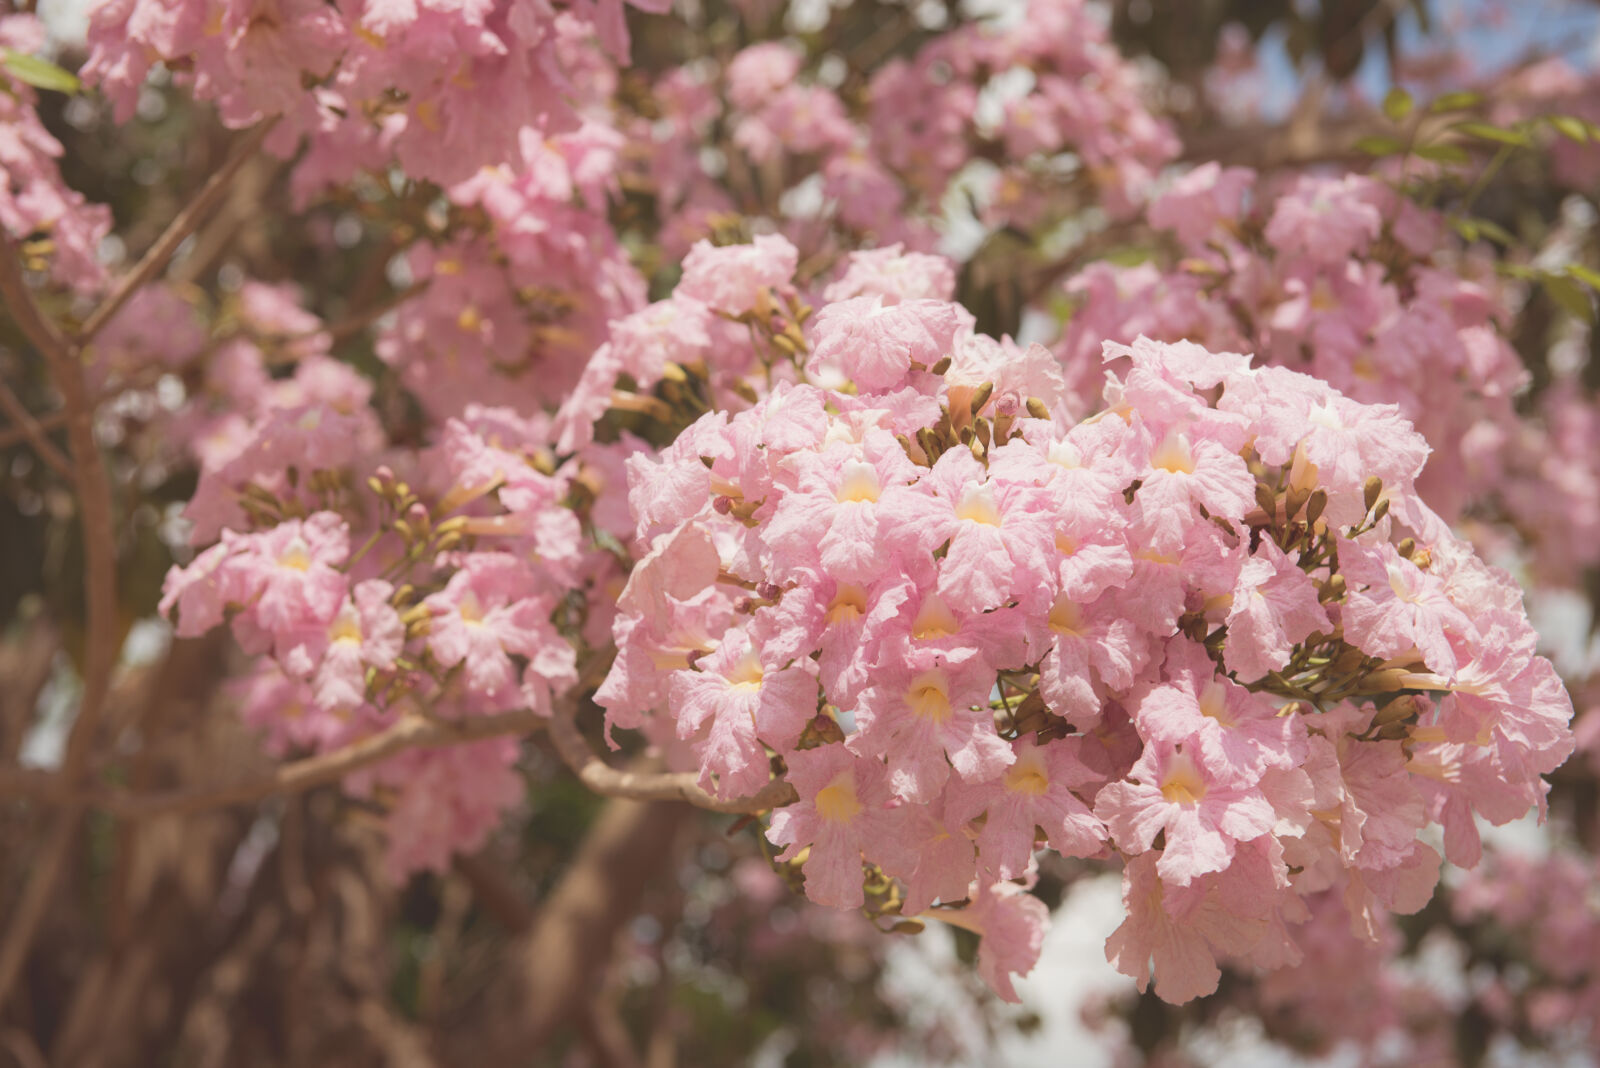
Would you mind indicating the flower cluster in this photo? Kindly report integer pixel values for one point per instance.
(1064, 117)
(1345, 279)
(451, 609)
(440, 86)
(519, 288)
(1212, 628)
(60, 230)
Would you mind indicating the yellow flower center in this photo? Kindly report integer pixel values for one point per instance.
(929, 697)
(860, 483)
(346, 628)
(837, 801)
(297, 557)
(1214, 703)
(1183, 784)
(1174, 454)
(848, 605)
(746, 674)
(1027, 776)
(1066, 618)
(977, 505)
(934, 620)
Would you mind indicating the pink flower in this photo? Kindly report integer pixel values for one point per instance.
(366, 633)
(927, 714)
(853, 511)
(756, 74)
(728, 279)
(843, 811)
(1204, 814)
(877, 345)
(1184, 966)
(1001, 542)
(1274, 607)
(445, 800)
(489, 610)
(1013, 924)
(1187, 471)
(745, 703)
(1238, 732)
(1035, 791)
(290, 573)
(1194, 205)
(1393, 607)
(895, 275)
(1326, 219)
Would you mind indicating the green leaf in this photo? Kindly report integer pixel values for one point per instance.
(1443, 153)
(1587, 275)
(1397, 104)
(1574, 129)
(1570, 295)
(1380, 145)
(1484, 131)
(1461, 101)
(1471, 229)
(1494, 231)
(39, 73)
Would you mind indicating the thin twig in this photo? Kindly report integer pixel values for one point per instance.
(182, 225)
(43, 424)
(30, 428)
(602, 778)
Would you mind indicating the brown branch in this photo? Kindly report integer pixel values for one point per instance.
(494, 892)
(560, 963)
(100, 613)
(409, 732)
(182, 225)
(602, 778)
(412, 731)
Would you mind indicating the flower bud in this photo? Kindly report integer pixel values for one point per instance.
(1315, 504)
(1293, 500)
(1371, 490)
(980, 398)
(1267, 500)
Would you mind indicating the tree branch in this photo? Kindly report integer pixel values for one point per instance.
(182, 225)
(602, 778)
(100, 612)
(560, 963)
(409, 732)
